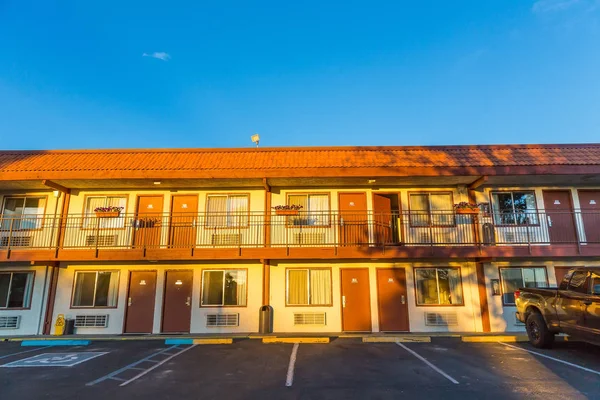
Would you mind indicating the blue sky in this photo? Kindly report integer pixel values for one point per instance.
(120, 74)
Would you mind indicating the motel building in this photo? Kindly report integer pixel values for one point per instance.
(333, 239)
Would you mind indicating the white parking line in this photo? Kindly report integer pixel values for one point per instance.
(436, 369)
(552, 358)
(290, 374)
(22, 352)
(157, 365)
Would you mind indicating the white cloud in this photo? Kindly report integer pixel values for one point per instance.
(544, 6)
(161, 55)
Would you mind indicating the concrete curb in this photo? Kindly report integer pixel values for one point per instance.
(198, 341)
(50, 342)
(397, 339)
(269, 340)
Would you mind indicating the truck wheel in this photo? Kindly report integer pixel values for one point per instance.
(538, 332)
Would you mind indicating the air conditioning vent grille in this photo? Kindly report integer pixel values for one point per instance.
(16, 241)
(215, 320)
(100, 240)
(441, 318)
(91, 321)
(226, 239)
(309, 318)
(10, 322)
(309, 238)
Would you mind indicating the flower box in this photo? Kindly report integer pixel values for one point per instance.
(470, 211)
(107, 214)
(287, 212)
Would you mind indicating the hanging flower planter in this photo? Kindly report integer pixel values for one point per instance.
(466, 208)
(287, 212)
(108, 212)
(290, 209)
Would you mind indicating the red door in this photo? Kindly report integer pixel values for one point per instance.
(589, 203)
(354, 228)
(177, 309)
(140, 302)
(184, 211)
(148, 221)
(391, 298)
(559, 216)
(356, 304)
(383, 219)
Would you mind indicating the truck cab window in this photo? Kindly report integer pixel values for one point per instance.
(580, 282)
(595, 283)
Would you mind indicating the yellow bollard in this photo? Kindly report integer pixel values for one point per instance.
(59, 326)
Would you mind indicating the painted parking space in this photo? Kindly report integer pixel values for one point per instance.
(54, 360)
(344, 368)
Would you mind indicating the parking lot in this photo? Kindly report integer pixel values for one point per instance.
(344, 369)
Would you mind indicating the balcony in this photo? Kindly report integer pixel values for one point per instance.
(311, 235)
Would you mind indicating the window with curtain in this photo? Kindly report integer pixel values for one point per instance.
(15, 289)
(315, 209)
(514, 208)
(228, 210)
(438, 286)
(224, 288)
(96, 289)
(22, 213)
(435, 209)
(92, 202)
(308, 287)
(515, 278)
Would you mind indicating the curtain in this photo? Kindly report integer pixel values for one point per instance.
(299, 200)
(34, 208)
(427, 286)
(320, 287)
(441, 209)
(217, 211)
(298, 286)
(534, 277)
(92, 203)
(318, 207)
(419, 210)
(85, 284)
(235, 288)
(212, 288)
(512, 279)
(238, 211)
(456, 295)
(113, 289)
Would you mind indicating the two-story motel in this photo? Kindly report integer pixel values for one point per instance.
(377, 245)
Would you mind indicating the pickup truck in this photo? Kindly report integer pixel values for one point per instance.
(572, 309)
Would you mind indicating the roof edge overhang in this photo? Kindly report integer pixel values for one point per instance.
(323, 172)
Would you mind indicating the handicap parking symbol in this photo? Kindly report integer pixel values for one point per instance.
(55, 359)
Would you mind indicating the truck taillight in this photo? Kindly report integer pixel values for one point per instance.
(517, 294)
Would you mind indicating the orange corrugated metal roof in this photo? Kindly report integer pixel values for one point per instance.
(145, 161)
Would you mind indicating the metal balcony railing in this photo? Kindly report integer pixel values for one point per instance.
(306, 229)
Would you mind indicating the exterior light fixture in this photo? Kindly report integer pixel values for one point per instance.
(157, 182)
(372, 180)
(255, 138)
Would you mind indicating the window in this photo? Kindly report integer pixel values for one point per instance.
(93, 202)
(314, 211)
(438, 286)
(309, 287)
(227, 210)
(596, 283)
(15, 289)
(515, 278)
(514, 208)
(96, 289)
(22, 213)
(434, 209)
(224, 288)
(579, 282)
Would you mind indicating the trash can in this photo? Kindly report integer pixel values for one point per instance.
(489, 235)
(69, 327)
(265, 320)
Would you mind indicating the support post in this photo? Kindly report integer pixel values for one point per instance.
(51, 298)
(483, 300)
